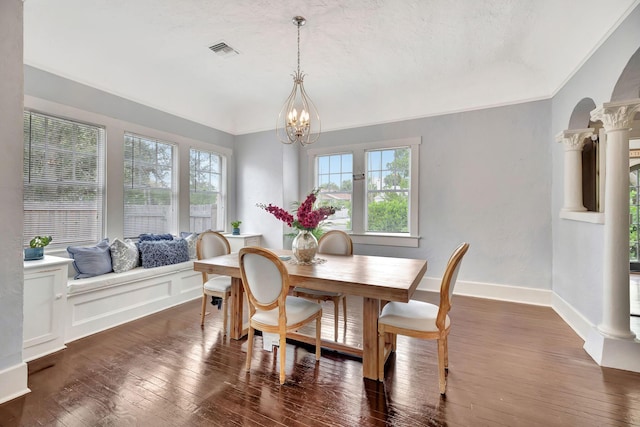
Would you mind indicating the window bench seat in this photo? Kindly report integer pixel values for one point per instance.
(102, 302)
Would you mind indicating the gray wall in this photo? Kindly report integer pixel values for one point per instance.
(578, 246)
(11, 276)
(58, 96)
(267, 173)
(485, 178)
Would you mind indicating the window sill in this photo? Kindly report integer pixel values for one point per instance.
(592, 217)
(385, 240)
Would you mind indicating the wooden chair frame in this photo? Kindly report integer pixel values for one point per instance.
(206, 293)
(335, 298)
(387, 334)
(280, 303)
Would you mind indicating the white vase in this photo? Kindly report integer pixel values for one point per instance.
(304, 246)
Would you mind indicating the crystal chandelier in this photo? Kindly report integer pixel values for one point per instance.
(298, 120)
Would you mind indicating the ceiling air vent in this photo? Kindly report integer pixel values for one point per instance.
(223, 50)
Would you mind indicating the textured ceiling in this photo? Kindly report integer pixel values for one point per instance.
(366, 61)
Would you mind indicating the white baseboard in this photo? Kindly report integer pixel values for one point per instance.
(571, 316)
(519, 294)
(13, 382)
(492, 291)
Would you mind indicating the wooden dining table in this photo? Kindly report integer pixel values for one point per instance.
(374, 278)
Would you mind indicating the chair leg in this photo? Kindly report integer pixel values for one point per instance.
(336, 318)
(441, 374)
(318, 337)
(247, 366)
(225, 305)
(282, 353)
(446, 354)
(344, 309)
(204, 308)
(381, 345)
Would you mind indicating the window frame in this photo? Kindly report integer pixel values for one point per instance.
(175, 153)
(222, 194)
(316, 184)
(359, 193)
(101, 184)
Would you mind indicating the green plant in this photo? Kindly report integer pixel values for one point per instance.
(236, 224)
(40, 241)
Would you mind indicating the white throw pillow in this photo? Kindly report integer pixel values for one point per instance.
(124, 255)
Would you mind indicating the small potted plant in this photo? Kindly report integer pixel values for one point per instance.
(236, 227)
(36, 248)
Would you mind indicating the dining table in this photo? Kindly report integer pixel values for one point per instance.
(377, 279)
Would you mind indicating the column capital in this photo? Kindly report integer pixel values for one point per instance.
(573, 139)
(617, 115)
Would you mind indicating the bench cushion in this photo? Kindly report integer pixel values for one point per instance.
(116, 279)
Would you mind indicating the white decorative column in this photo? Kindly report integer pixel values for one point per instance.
(616, 119)
(573, 141)
(612, 343)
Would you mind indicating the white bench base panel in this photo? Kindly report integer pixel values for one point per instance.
(99, 303)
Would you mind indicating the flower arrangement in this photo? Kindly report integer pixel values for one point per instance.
(306, 217)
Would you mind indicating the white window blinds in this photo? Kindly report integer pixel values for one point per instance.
(63, 180)
(205, 183)
(149, 186)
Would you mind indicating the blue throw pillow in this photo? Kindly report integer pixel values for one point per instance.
(91, 261)
(163, 252)
(150, 237)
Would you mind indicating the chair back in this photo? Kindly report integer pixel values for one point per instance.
(210, 244)
(448, 283)
(265, 279)
(335, 242)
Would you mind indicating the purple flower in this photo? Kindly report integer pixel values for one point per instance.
(307, 217)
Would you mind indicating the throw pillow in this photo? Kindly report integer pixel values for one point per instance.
(91, 261)
(124, 255)
(192, 240)
(147, 237)
(163, 252)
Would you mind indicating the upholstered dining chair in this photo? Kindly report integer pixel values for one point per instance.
(210, 244)
(422, 320)
(266, 283)
(334, 242)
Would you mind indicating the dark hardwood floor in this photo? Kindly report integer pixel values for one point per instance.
(510, 365)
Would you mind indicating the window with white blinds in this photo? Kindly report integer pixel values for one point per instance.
(63, 174)
(206, 199)
(149, 186)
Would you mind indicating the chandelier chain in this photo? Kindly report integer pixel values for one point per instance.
(298, 48)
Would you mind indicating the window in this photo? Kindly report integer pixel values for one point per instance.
(63, 174)
(375, 187)
(335, 181)
(388, 180)
(634, 218)
(149, 186)
(205, 185)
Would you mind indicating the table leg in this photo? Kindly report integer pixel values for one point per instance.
(237, 298)
(370, 312)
